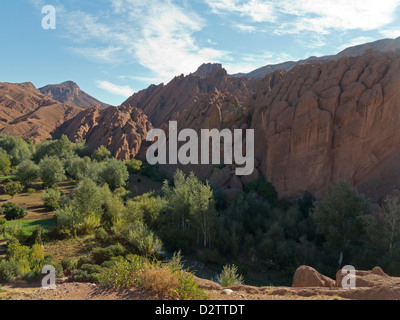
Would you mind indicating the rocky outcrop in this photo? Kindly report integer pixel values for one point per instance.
(27, 113)
(307, 277)
(161, 102)
(122, 130)
(336, 120)
(69, 93)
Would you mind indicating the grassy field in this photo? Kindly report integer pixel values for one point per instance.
(28, 226)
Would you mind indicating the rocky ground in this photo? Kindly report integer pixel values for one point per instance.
(308, 284)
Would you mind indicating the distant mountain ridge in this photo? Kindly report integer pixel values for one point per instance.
(69, 93)
(383, 45)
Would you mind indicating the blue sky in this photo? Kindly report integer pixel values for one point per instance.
(113, 48)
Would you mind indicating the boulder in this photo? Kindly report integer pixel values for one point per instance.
(307, 277)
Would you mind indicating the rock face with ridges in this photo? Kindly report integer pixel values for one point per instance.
(122, 130)
(160, 102)
(69, 93)
(27, 113)
(336, 120)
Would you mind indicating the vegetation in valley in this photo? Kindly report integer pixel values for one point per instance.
(91, 198)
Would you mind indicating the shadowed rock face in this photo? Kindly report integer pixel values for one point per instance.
(323, 122)
(122, 130)
(160, 102)
(69, 93)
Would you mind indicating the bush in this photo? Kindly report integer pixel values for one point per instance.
(2, 221)
(159, 279)
(101, 235)
(9, 270)
(27, 172)
(51, 171)
(5, 164)
(134, 166)
(51, 198)
(87, 273)
(229, 276)
(13, 188)
(68, 265)
(101, 255)
(115, 174)
(31, 191)
(124, 274)
(12, 211)
(101, 154)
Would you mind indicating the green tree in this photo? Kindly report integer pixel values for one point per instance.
(115, 174)
(51, 198)
(87, 197)
(5, 165)
(13, 188)
(78, 168)
(191, 205)
(12, 211)
(230, 277)
(27, 172)
(51, 171)
(17, 148)
(383, 227)
(338, 217)
(101, 154)
(134, 166)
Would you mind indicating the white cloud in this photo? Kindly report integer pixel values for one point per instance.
(157, 34)
(257, 10)
(125, 91)
(318, 16)
(392, 33)
(245, 28)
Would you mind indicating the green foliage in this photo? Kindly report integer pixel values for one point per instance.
(13, 211)
(338, 217)
(142, 240)
(27, 172)
(51, 171)
(101, 235)
(190, 209)
(9, 270)
(68, 265)
(101, 154)
(115, 174)
(13, 188)
(17, 149)
(134, 166)
(100, 255)
(265, 189)
(27, 259)
(78, 168)
(124, 274)
(31, 191)
(62, 148)
(51, 198)
(5, 165)
(229, 276)
(87, 273)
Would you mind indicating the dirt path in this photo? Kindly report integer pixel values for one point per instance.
(21, 290)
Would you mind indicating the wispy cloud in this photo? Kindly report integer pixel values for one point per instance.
(125, 91)
(322, 16)
(158, 35)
